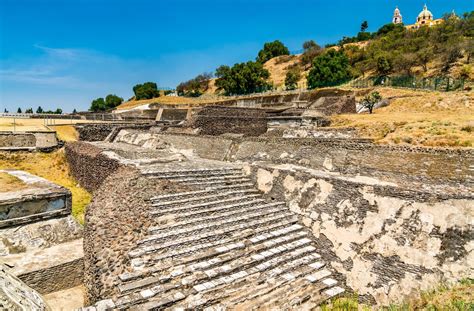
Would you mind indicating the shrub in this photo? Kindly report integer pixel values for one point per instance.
(194, 87)
(270, 50)
(292, 77)
(112, 101)
(147, 90)
(242, 78)
(329, 69)
(97, 105)
(370, 100)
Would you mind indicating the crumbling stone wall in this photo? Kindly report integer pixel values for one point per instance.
(8, 140)
(94, 132)
(115, 220)
(56, 277)
(388, 242)
(88, 165)
(221, 120)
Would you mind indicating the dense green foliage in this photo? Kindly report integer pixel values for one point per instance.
(242, 78)
(111, 101)
(292, 77)
(329, 69)
(147, 90)
(270, 50)
(39, 110)
(393, 49)
(194, 87)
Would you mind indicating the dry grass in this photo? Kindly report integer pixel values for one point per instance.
(23, 125)
(457, 297)
(10, 183)
(417, 118)
(51, 166)
(172, 100)
(66, 132)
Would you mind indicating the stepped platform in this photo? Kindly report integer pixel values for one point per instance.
(221, 246)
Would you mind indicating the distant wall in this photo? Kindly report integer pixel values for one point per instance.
(336, 155)
(220, 120)
(94, 132)
(387, 242)
(9, 140)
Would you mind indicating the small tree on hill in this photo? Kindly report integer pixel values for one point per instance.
(112, 101)
(19, 110)
(370, 100)
(39, 110)
(329, 69)
(74, 111)
(242, 78)
(147, 90)
(292, 77)
(311, 50)
(270, 50)
(364, 26)
(384, 65)
(97, 105)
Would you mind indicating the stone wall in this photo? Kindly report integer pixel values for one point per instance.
(388, 242)
(345, 156)
(131, 220)
(94, 132)
(221, 120)
(56, 278)
(88, 165)
(9, 140)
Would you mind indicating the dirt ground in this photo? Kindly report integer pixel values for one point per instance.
(66, 300)
(23, 125)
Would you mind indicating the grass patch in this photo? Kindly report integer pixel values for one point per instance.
(417, 118)
(10, 183)
(51, 166)
(66, 132)
(457, 297)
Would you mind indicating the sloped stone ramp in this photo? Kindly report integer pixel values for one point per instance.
(222, 247)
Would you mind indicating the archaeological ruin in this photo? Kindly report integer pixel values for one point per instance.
(250, 203)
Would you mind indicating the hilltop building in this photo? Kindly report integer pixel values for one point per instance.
(397, 17)
(425, 18)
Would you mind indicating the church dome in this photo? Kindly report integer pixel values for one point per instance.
(425, 14)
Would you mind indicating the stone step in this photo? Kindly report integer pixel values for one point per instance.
(241, 268)
(200, 224)
(205, 197)
(236, 181)
(212, 207)
(262, 230)
(211, 178)
(189, 173)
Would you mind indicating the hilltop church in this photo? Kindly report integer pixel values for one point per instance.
(425, 18)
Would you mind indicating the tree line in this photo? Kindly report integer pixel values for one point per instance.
(39, 110)
(392, 49)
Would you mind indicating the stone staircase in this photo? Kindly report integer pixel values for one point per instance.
(223, 246)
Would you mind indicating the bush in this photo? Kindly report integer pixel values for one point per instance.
(292, 77)
(242, 78)
(112, 101)
(329, 69)
(194, 87)
(270, 50)
(97, 105)
(147, 90)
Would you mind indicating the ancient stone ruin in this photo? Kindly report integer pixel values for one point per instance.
(240, 209)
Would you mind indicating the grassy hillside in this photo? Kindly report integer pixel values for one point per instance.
(417, 118)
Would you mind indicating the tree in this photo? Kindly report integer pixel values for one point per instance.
(364, 26)
(58, 111)
(5, 111)
(74, 111)
(97, 105)
(424, 56)
(147, 90)
(29, 110)
(112, 101)
(39, 110)
(370, 100)
(242, 78)
(292, 77)
(19, 110)
(450, 57)
(194, 87)
(384, 65)
(311, 50)
(270, 50)
(329, 69)
(310, 44)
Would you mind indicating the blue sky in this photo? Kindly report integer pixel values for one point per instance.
(65, 53)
